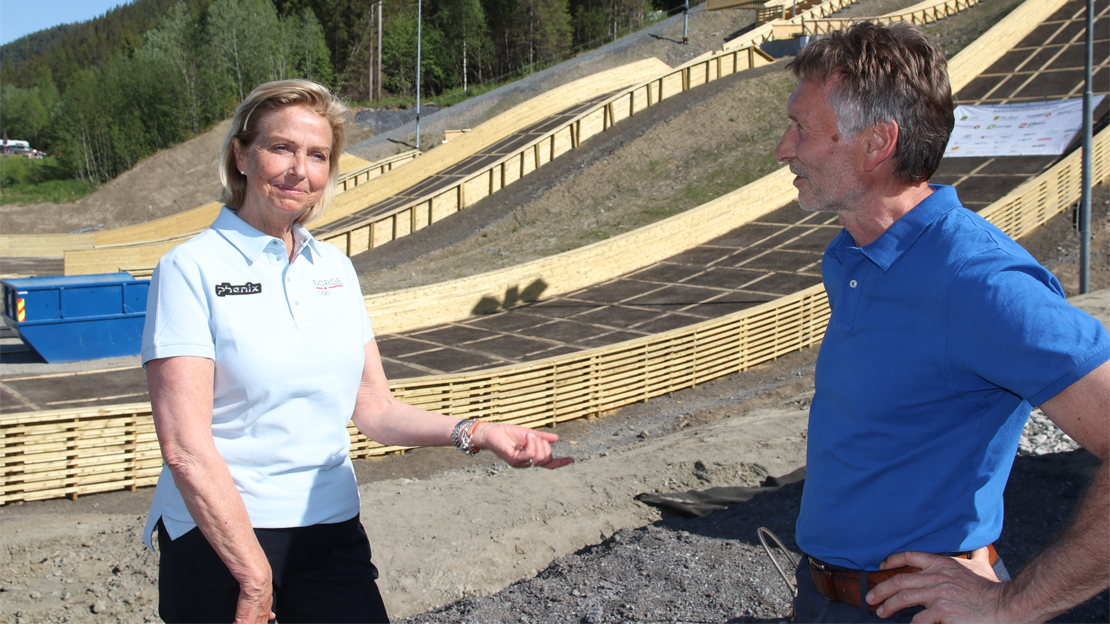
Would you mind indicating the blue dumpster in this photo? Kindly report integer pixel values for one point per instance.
(79, 317)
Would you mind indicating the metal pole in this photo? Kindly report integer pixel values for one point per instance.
(685, 21)
(379, 83)
(1085, 197)
(419, 7)
(370, 91)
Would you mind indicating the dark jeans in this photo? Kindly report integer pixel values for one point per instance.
(811, 606)
(322, 573)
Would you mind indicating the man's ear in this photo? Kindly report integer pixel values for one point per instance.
(880, 141)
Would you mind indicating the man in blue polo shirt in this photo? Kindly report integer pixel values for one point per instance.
(944, 333)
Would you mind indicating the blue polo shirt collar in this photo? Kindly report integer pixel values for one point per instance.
(252, 243)
(902, 234)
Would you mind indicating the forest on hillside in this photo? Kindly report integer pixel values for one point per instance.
(103, 94)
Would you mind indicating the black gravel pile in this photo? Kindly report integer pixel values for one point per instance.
(713, 569)
(709, 569)
(382, 120)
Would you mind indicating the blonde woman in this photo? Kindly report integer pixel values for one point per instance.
(258, 351)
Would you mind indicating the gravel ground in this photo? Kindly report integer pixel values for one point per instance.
(713, 569)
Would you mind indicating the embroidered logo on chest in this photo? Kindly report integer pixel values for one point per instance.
(225, 289)
(324, 287)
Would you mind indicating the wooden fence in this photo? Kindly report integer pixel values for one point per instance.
(71, 452)
(178, 226)
(924, 13)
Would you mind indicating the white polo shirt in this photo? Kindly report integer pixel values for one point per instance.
(287, 340)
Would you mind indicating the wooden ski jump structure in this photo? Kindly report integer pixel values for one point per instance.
(70, 452)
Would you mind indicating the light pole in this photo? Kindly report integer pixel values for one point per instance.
(419, 6)
(685, 21)
(1085, 196)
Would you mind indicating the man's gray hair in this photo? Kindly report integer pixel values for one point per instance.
(886, 74)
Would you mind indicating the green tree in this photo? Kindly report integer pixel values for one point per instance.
(591, 23)
(399, 55)
(470, 47)
(242, 35)
(23, 115)
(175, 41)
(543, 30)
(499, 16)
(310, 51)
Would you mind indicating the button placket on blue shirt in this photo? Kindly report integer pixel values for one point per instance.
(855, 272)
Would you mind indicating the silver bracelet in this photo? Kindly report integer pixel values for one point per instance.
(463, 436)
(455, 432)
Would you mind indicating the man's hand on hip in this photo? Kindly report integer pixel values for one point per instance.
(950, 589)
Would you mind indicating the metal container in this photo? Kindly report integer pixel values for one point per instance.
(79, 317)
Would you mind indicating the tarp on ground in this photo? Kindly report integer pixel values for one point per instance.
(694, 504)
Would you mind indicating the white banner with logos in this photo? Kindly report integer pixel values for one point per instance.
(1027, 129)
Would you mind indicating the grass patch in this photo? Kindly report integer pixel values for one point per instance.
(33, 181)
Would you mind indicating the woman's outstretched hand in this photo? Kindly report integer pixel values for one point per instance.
(520, 447)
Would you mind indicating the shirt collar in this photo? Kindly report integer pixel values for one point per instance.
(900, 236)
(251, 243)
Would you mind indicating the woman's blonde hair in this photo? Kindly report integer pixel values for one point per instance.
(245, 127)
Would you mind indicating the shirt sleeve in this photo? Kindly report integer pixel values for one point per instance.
(1012, 328)
(360, 302)
(177, 312)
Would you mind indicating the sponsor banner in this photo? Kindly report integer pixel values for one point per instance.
(1028, 129)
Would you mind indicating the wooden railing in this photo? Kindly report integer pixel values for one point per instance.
(924, 13)
(174, 227)
(420, 212)
(72, 452)
(351, 179)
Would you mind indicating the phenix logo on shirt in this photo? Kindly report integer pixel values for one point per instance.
(325, 286)
(224, 289)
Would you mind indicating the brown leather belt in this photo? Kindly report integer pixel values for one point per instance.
(843, 586)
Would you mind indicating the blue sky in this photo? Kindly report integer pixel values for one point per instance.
(23, 17)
